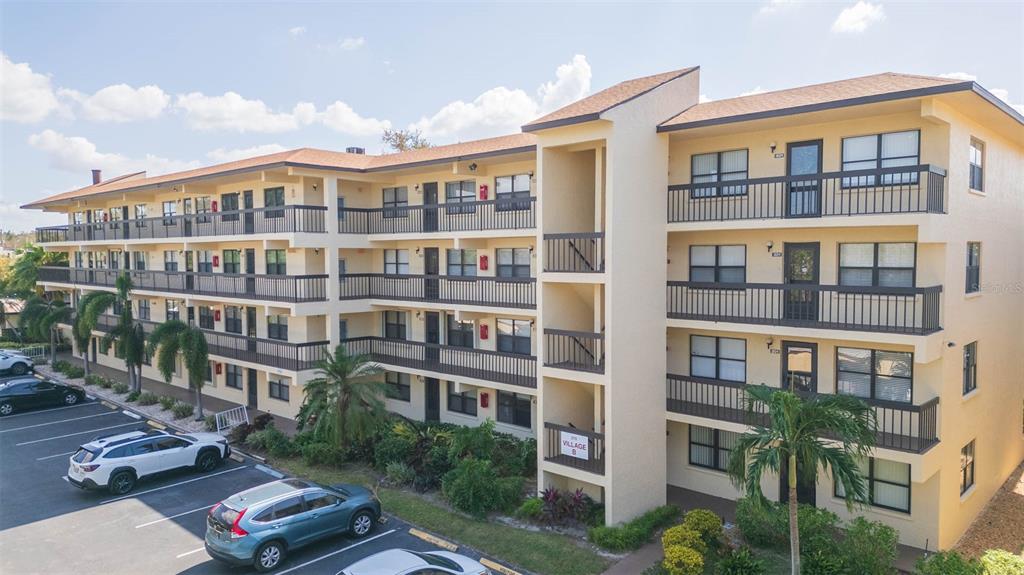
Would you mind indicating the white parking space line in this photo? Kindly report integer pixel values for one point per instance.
(56, 455)
(174, 484)
(174, 516)
(10, 417)
(131, 415)
(56, 422)
(74, 434)
(333, 553)
(190, 552)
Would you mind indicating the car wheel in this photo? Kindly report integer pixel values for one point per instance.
(268, 556)
(122, 482)
(6, 409)
(207, 461)
(70, 398)
(19, 369)
(362, 524)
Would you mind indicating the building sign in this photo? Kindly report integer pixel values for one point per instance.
(575, 445)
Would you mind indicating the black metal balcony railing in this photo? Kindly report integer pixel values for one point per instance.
(576, 350)
(269, 352)
(512, 214)
(249, 286)
(283, 219)
(896, 190)
(883, 309)
(574, 252)
(462, 290)
(509, 368)
(564, 445)
(900, 426)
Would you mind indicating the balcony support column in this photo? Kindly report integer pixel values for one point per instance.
(331, 254)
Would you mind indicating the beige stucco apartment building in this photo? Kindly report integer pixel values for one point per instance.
(607, 281)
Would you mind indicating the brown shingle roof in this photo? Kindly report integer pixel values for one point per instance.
(863, 90)
(310, 157)
(591, 107)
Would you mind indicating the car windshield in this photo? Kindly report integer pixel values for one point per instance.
(437, 561)
(84, 455)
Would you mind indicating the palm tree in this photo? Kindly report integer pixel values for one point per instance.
(794, 436)
(343, 403)
(90, 306)
(173, 337)
(40, 317)
(24, 272)
(127, 336)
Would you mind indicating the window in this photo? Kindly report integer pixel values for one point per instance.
(278, 390)
(514, 409)
(396, 261)
(513, 262)
(116, 213)
(170, 260)
(144, 309)
(460, 333)
(397, 385)
(99, 216)
(718, 167)
(170, 210)
(203, 205)
(78, 260)
(881, 151)
(273, 198)
(204, 261)
(973, 267)
(232, 261)
(342, 329)
(718, 358)
(233, 376)
(456, 193)
(79, 217)
(967, 467)
(710, 448)
(970, 367)
(394, 324)
(139, 261)
(875, 374)
(115, 259)
(277, 327)
(171, 307)
(888, 483)
(319, 500)
(229, 204)
(395, 202)
(341, 209)
(463, 402)
(101, 260)
(205, 317)
(461, 262)
(276, 262)
(514, 336)
(288, 507)
(887, 265)
(977, 171)
(512, 192)
(233, 319)
(342, 268)
(718, 264)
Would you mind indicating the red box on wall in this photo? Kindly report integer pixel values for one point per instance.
(485, 399)
(216, 315)
(213, 205)
(483, 191)
(483, 262)
(216, 261)
(485, 331)
(219, 368)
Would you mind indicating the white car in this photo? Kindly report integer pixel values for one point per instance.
(405, 562)
(14, 363)
(117, 462)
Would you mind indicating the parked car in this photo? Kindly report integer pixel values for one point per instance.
(405, 562)
(14, 363)
(261, 525)
(19, 393)
(117, 462)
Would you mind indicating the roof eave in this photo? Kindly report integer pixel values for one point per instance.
(561, 122)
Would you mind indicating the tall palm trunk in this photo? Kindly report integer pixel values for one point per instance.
(199, 403)
(53, 345)
(794, 531)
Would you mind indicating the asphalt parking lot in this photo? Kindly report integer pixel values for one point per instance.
(49, 526)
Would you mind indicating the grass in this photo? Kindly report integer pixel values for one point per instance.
(539, 552)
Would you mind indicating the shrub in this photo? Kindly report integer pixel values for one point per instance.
(399, 473)
(706, 523)
(531, 509)
(240, 433)
(167, 402)
(74, 372)
(513, 456)
(739, 561)
(684, 536)
(682, 560)
(120, 388)
(818, 528)
(635, 533)
(475, 488)
(209, 422)
(1000, 562)
(61, 366)
(869, 547)
(93, 379)
(566, 507)
(760, 524)
(181, 410)
(393, 448)
(477, 442)
(947, 563)
(148, 398)
(656, 569)
(321, 453)
(823, 562)
(261, 421)
(133, 396)
(271, 440)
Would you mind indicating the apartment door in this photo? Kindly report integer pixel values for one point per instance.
(190, 279)
(250, 329)
(88, 225)
(432, 269)
(250, 216)
(251, 388)
(124, 222)
(806, 487)
(800, 366)
(803, 196)
(250, 271)
(801, 269)
(432, 399)
(430, 207)
(188, 217)
(433, 336)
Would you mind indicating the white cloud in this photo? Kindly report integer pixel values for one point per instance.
(703, 99)
(352, 43)
(297, 31)
(756, 90)
(222, 155)
(120, 103)
(773, 6)
(78, 155)
(959, 76)
(341, 117)
(856, 19)
(572, 82)
(18, 220)
(25, 96)
(233, 112)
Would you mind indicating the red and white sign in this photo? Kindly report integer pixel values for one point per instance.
(574, 445)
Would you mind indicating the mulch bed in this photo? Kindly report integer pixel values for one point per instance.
(1001, 524)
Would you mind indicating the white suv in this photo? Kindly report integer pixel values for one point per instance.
(118, 461)
(13, 362)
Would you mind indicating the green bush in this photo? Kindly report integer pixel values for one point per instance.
(120, 388)
(148, 398)
(531, 509)
(93, 379)
(656, 569)
(869, 547)
(133, 396)
(1000, 562)
(475, 488)
(818, 528)
(633, 534)
(706, 523)
(823, 562)
(181, 410)
(106, 383)
(739, 561)
(393, 448)
(684, 536)
(947, 563)
(767, 525)
(321, 453)
(399, 473)
(209, 422)
(476, 442)
(74, 372)
(682, 560)
(514, 456)
(271, 440)
(167, 402)
(61, 366)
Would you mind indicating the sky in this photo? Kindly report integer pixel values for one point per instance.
(162, 87)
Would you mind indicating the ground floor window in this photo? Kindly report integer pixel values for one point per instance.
(279, 390)
(514, 409)
(398, 386)
(233, 376)
(888, 483)
(967, 467)
(461, 402)
(710, 448)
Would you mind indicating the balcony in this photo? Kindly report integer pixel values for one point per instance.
(291, 289)
(504, 292)
(269, 352)
(284, 219)
(574, 350)
(574, 447)
(574, 252)
(900, 426)
(913, 311)
(508, 368)
(896, 190)
(511, 214)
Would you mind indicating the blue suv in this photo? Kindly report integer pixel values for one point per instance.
(261, 525)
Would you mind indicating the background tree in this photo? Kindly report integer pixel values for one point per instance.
(404, 140)
(173, 337)
(24, 272)
(343, 403)
(40, 317)
(794, 439)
